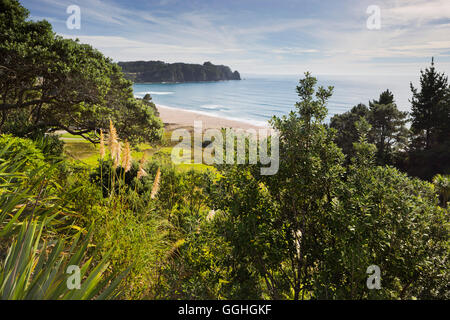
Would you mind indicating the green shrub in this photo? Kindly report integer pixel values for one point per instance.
(31, 156)
(51, 146)
(37, 242)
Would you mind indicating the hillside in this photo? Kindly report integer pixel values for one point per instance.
(159, 71)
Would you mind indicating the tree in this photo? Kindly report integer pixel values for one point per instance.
(403, 233)
(346, 133)
(388, 132)
(430, 146)
(147, 99)
(49, 83)
(430, 108)
(312, 230)
(277, 225)
(310, 170)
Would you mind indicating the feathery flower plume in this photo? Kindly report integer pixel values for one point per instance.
(118, 150)
(126, 157)
(141, 172)
(112, 135)
(102, 145)
(156, 184)
(114, 145)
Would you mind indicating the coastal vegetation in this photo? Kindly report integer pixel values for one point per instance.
(421, 149)
(159, 71)
(86, 181)
(49, 83)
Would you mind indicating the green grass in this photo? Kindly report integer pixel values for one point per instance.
(67, 135)
(83, 151)
(195, 166)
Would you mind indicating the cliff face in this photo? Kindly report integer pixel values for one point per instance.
(158, 71)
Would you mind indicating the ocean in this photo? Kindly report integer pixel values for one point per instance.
(255, 99)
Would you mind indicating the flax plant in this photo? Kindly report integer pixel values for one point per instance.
(35, 258)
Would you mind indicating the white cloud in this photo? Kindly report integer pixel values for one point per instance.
(412, 30)
(291, 50)
(407, 12)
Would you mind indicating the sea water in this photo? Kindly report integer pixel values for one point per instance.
(256, 99)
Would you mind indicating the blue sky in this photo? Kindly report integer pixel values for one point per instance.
(262, 36)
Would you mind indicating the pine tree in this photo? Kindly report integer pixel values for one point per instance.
(430, 108)
(388, 131)
(430, 147)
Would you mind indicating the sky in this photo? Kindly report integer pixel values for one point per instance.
(282, 37)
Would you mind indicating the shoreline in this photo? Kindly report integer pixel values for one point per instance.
(181, 82)
(176, 118)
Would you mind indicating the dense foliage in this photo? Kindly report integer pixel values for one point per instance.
(388, 128)
(418, 145)
(158, 71)
(39, 239)
(312, 230)
(49, 83)
(151, 230)
(430, 148)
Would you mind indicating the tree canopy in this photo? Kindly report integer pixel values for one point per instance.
(49, 83)
(388, 128)
(159, 71)
(430, 113)
(312, 230)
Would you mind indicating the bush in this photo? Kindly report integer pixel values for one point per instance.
(31, 156)
(51, 146)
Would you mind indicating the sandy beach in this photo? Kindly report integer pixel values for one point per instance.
(174, 118)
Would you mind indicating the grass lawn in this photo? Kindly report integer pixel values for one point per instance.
(81, 150)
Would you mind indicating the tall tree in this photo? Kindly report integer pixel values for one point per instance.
(312, 230)
(388, 132)
(431, 108)
(403, 233)
(278, 224)
(346, 133)
(310, 170)
(430, 146)
(50, 83)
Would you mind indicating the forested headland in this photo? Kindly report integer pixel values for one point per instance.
(369, 188)
(159, 71)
